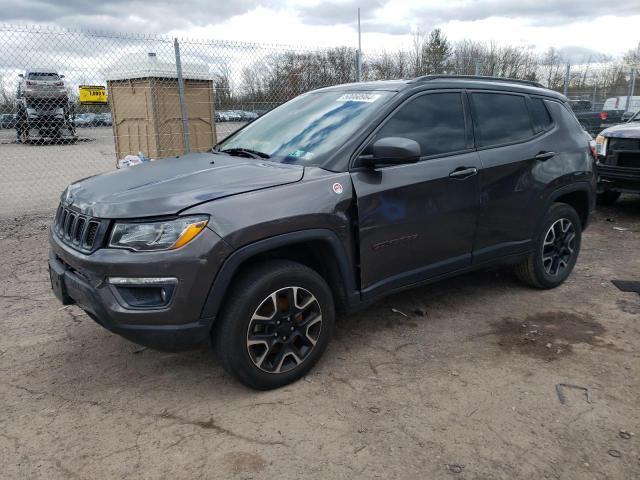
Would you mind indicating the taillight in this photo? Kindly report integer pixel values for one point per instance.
(604, 115)
(59, 84)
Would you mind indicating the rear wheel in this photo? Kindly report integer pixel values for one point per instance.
(556, 249)
(608, 198)
(276, 323)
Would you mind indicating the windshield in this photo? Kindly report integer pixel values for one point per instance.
(635, 117)
(307, 129)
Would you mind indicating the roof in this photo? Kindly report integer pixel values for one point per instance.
(453, 81)
(150, 66)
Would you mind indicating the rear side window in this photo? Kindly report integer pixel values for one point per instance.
(435, 121)
(540, 115)
(501, 118)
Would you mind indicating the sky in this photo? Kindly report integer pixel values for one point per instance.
(578, 27)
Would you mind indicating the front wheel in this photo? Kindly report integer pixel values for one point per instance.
(275, 325)
(556, 249)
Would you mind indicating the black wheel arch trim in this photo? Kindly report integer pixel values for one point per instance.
(581, 186)
(231, 265)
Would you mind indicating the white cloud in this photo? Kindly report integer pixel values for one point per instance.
(386, 23)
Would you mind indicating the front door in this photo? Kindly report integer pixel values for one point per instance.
(418, 221)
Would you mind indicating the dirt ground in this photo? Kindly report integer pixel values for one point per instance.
(464, 386)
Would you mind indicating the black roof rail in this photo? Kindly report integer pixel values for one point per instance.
(426, 78)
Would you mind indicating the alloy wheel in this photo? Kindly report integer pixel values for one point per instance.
(558, 247)
(284, 329)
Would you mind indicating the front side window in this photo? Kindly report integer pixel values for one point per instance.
(308, 129)
(501, 118)
(435, 121)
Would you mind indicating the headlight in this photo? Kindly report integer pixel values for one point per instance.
(601, 145)
(166, 235)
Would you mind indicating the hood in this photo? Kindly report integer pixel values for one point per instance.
(167, 186)
(626, 130)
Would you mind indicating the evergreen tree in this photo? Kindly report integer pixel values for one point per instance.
(436, 52)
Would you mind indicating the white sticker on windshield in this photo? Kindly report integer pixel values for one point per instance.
(359, 97)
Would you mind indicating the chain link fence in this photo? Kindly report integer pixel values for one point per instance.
(74, 103)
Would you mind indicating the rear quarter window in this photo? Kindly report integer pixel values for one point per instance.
(540, 115)
(43, 76)
(501, 118)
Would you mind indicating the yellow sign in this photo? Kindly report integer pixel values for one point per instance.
(93, 95)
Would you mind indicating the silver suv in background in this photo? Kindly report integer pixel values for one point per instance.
(43, 108)
(40, 84)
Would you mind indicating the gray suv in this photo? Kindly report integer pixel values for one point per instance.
(323, 205)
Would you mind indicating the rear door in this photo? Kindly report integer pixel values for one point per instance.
(511, 132)
(417, 221)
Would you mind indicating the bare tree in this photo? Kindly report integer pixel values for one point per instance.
(552, 69)
(632, 57)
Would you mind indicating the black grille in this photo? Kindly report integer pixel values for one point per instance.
(70, 225)
(79, 231)
(91, 232)
(624, 144)
(631, 160)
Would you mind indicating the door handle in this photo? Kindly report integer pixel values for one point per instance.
(463, 172)
(544, 156)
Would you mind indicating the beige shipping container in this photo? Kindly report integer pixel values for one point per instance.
(145, 108)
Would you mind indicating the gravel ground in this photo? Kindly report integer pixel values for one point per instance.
(463, 386)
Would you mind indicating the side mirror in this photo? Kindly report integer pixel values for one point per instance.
(21, 75)
(61, 76)
(392, 151)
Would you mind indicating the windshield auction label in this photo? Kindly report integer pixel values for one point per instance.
(359, 97)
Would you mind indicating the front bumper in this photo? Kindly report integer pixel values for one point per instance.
(619, 179)
(83, 279)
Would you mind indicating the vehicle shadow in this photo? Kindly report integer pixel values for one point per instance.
(627, 207)
(416, 306)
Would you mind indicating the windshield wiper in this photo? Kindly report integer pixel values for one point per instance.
(245, 152)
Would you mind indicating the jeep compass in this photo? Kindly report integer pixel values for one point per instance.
(319, 207)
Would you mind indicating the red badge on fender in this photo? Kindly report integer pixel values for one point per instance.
(337, 188)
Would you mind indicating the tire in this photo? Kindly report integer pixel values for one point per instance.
(607, 198)
(555, 252)
(21, 127)
(276, 323)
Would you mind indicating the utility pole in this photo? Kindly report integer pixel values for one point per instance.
(632, 87)
(359, 57)
(186, 141)
(566, 79)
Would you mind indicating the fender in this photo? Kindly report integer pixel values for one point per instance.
(229, 268)
(582, 186)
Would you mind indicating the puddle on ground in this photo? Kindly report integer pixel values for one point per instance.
(549, 335)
